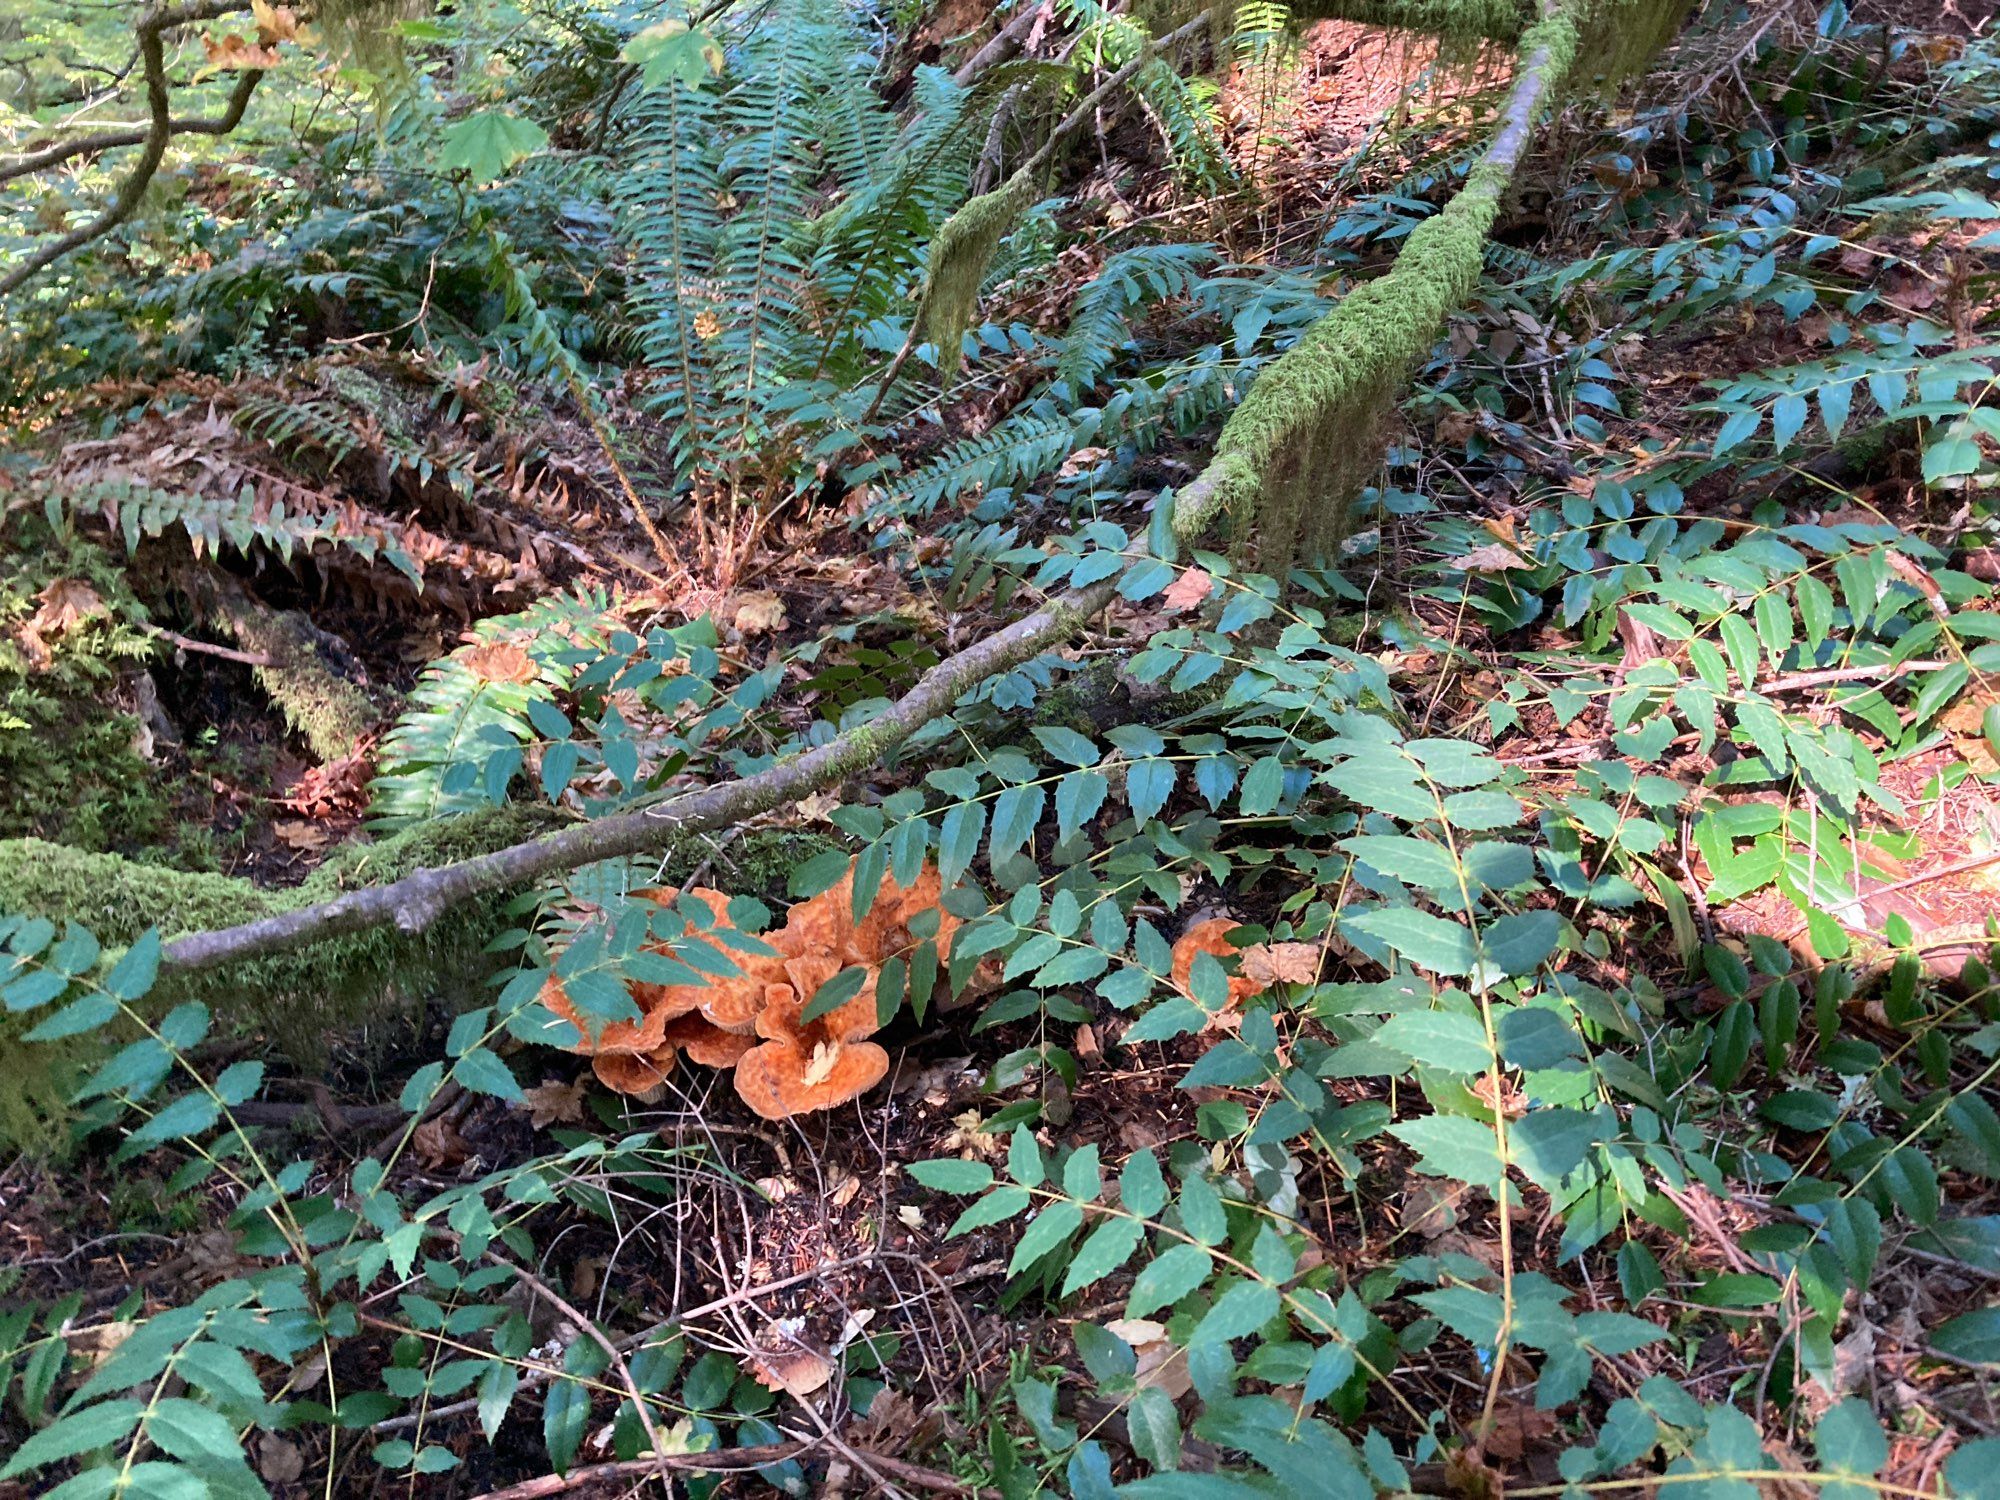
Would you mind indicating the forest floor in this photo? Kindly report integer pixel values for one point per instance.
(820, 1209)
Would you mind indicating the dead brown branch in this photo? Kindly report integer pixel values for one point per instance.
(159, 130)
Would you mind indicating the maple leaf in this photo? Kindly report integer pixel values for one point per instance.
(485, 144)
(63, 604)
(758, 613)
(1187, 591)
(60, 607)
(275, 23)
(1281, 963)
(553, 1103)
(237, 54)
(672, 51)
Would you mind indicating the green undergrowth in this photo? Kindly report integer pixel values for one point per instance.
(68, 767)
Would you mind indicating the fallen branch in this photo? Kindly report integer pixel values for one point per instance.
(151, 32)
(413, 903)
(1306, 435)
(721, 1461)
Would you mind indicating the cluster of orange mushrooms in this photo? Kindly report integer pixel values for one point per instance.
(754, 1021)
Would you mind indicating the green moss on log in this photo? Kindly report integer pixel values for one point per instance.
(1306, 438)
(118, 899)
(326, 709)
(960, 254)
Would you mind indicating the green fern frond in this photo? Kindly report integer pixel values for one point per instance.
(241, 521)
(440, 758)
(1101, 321)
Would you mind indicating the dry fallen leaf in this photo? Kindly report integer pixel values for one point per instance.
(759, 613)
(1491, 557)
(554, 1103)
(63, 604)
(298, 833)
(970, 1138)
(1187, 591)
(1162, 1363)
(1281, 963)
(891, 1419)
(278, 1459)
(1081, 460)
(439, 1146)
(498, 662)
(98, 1343)
(59, 608)
(798, 1371)
(1515, 1425)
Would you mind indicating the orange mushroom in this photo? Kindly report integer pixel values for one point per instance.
(730, 1003)
(706, 1043)
(1211, 936)
(826, 925)
(807, 1065)
(627, 1037)
(637, 1074)
(753, 1020)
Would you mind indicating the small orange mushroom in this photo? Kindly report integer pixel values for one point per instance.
(730, 1003)
(1211, 936)
(807, 1065)
(753, 1020)
(706, 1043)
(632, 1037)
(825, 924)
(635, 1073)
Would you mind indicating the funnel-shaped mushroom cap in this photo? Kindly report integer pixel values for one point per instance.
(633, 1073)
(780, 1079)
(626, 1037)
(785, 1005)
(1211, 936)
(707, 1043)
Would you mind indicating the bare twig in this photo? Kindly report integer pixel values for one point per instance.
(151, 32)
(722, 1461)
(205, 648)
(586, 1327)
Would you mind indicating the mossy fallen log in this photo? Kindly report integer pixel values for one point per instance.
(304, 677)
(324, 984)
(306, 996)
(1293, 455)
